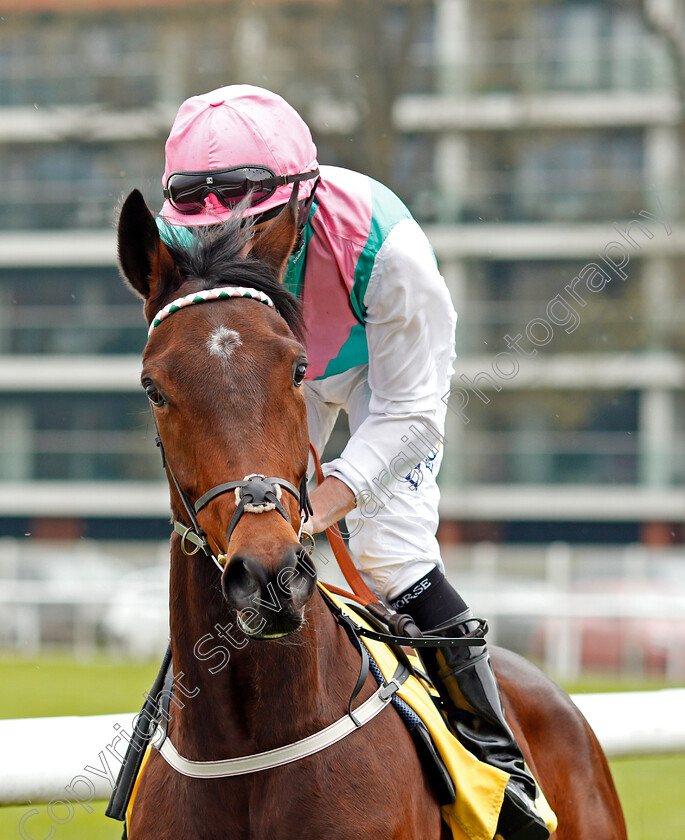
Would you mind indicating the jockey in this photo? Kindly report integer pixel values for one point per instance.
(380, 341)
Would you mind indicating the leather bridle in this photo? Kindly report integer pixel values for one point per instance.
(255, 493)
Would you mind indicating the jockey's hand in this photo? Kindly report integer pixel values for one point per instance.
(331, 500)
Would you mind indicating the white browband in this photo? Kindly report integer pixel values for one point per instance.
(208, 295)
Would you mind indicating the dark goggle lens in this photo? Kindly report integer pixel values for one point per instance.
(187, 191)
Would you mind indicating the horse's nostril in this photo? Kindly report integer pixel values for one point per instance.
(301, 578)
(241, 583)
(248, 583)
(305, 563)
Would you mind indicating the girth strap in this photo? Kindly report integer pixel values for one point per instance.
(361, 679)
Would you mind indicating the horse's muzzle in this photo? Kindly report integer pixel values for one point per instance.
(269, 601)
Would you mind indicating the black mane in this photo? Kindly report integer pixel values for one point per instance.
(212, 258)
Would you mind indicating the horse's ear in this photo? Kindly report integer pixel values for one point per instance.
(273, 243)
(144, 259)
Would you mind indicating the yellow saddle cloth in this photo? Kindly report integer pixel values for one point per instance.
(480, 788)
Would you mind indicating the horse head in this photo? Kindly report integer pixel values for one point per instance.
(224, 380)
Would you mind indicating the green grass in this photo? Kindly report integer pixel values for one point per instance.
(595, 683)
(651, 789)
(95, 826)
(53, 686)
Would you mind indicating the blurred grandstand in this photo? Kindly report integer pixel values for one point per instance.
(526, 136)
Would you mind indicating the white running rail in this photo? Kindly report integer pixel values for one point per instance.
(74, 760)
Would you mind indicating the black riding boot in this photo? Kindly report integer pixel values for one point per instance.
(467, 685)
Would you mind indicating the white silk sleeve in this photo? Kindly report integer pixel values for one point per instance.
(410, 325)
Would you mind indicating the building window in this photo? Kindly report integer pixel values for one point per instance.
(555, 176)
(534, 437)
(71, 436)
(68, 310)
(583, 46)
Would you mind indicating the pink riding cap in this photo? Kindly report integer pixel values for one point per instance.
(232, 126)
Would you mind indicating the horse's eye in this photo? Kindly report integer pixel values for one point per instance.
(299, 371)
(155, 396)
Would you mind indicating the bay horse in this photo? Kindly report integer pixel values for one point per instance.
(224, 382)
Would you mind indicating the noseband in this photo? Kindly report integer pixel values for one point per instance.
(256, 493)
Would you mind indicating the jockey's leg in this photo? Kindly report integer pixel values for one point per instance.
(467, 684)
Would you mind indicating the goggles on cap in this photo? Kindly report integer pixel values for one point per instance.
(187, 191)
